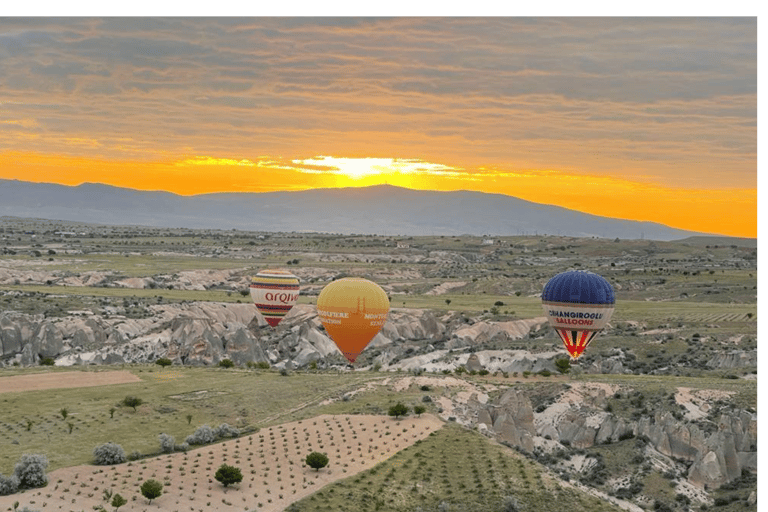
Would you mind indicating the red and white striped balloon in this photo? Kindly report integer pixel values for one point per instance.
(274, 292)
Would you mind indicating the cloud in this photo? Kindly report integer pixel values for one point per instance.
(669, 98)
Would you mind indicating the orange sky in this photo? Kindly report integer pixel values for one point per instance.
(729, 211)
(650, 119)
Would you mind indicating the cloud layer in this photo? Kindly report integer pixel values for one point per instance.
(671, 101)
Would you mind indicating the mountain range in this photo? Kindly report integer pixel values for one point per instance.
(380, 209)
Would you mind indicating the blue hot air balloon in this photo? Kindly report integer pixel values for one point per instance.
(578, 305)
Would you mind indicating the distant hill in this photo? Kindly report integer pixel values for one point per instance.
(381, 209)
(721, 241)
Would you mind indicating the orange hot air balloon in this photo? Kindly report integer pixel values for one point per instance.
(353, 310)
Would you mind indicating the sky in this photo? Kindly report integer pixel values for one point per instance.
(651, 119)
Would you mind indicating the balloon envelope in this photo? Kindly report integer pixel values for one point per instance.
(274, 292)
(578, 304)
(353, 310)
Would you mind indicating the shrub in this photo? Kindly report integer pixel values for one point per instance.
(399, 409)
(47, 361)
(563, 365)
(263, 365)
(163, 361)
(224, 430)
(30, 470)
(167, 443)
(203, 435)
(419, 409)
(228, 475)
(108, 454)
(8, 485)
(510, 504)
(151, 489)
(317, 460)
(132, 401)
(226, 363)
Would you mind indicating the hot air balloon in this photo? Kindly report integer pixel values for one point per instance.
(578, 304)
(353, 310)
(274, 292)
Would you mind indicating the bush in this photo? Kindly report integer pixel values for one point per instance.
(47, 361)
(167, 443)
(151, 489)
(563, 365)
(203, 435)
(317, 460)
(224, 430)
(132, 401)
(226, 363)
(30, 470)
(510, 504)
(263, 365)
(399, 409)
(108, 454)
(228, 475)
(8, 485)
(164, 361)
(419, 409)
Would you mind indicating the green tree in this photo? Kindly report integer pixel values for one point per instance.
(118, 501)
(151, 489)
(418, 410)
(228, 475)
(132, 401)
(64, 412)
(317, 460)
(563, 365)
(399, 409)
(164, 361)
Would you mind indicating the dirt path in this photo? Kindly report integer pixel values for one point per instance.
(54, 380)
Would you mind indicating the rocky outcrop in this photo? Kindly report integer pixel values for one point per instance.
(733, 359)
(484, 332)
(511, 419)
(580, 421)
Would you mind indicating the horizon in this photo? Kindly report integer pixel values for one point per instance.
(320, 189)
(644, 119)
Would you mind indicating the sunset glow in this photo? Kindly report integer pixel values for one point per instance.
(651, 119)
